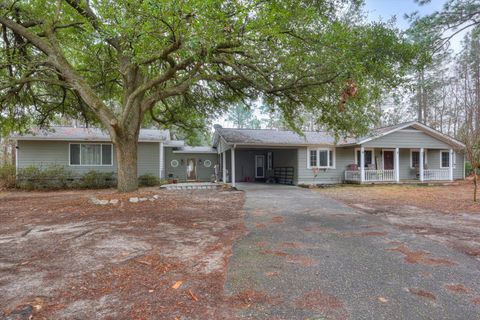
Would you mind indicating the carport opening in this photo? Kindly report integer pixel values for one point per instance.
(275, 166)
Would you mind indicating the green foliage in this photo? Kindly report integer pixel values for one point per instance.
(148, 180)
(52, 177)
(58, 177)
(7, 176)
(468, 169)
(243, 116)
(97, 180)
(295, 56)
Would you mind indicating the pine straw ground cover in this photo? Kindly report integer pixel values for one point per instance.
(445, 213)
(166, 258)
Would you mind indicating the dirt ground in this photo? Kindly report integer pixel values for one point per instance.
(445, 213)
(163, 258)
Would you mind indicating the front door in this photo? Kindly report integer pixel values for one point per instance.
(192, 169)
(259, 166)
(388, 160)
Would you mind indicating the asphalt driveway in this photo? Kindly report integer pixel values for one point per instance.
(310, 257)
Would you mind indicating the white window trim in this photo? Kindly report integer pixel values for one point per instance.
(90, 165)
(365, 149)
(454, 159)
(333, 166)
(383, 158)
(425, 156)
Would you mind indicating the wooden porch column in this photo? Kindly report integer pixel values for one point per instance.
(397, 164)
(421, 165)
(450, 165)
(232, 174)
(362, 164)
(224, 166)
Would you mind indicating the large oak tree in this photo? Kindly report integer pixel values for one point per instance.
(118, 61)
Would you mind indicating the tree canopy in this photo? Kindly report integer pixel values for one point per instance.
(119, 62)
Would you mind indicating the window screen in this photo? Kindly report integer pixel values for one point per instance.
(368, 157)
(323, 157)
(107, 154)
(445, 159)
(91, 154)
(415, 159)
(313, 158)
(74, 154)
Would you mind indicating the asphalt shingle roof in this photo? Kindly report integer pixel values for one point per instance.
(87, 134)
(263, 136)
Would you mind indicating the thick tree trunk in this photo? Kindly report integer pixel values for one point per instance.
(126, 150)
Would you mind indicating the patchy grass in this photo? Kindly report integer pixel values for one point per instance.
(452, 199)
(162, 258)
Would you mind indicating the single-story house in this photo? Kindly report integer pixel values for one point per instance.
(388, 155)
(85, 149)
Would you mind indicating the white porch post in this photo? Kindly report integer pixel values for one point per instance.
(421, 165)
(397, 164)
(362, 164)
(450, 165)
(162, 162)
(232, 174)
(224, 166)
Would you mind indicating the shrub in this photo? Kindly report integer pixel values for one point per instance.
(97, 180)
(148, 180)
(7, 176)
(52, 177)
(468, 169)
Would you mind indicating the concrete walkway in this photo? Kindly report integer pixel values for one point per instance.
(310, 257)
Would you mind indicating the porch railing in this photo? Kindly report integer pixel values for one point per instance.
(352, 176)
(436, 174)
(379, 175)
(370, 175)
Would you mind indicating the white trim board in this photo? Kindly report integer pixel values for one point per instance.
(328, 166)
(90, 165)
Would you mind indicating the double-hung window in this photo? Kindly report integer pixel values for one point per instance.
(321, 158)
(445, 159)
(91, 154)
(415, 158)
(368, 157)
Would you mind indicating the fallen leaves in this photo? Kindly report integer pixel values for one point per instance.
(422, 293)
(177, 285)
(420, 257)
(382, 299)
(192, 295)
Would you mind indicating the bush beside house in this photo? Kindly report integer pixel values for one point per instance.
(57, 177)
(7, 176)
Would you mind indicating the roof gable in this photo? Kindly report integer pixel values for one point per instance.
(413, 125)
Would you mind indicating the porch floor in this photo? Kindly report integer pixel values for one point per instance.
(407, 181)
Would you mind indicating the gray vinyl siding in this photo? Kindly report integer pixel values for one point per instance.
(343, 157)
(148, 159)
(180, 172)
(43, 154)
(401, 139)
(245, 162)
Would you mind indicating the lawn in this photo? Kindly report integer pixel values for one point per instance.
(445, 213)
(64, 257)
